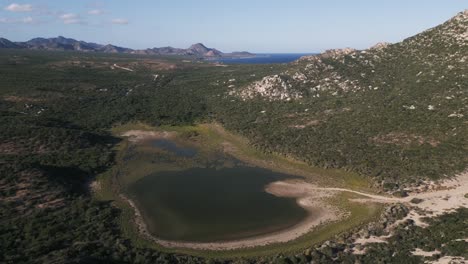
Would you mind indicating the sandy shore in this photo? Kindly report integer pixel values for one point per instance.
(136, 136)
(308, 197)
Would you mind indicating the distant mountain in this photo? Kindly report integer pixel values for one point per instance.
(162, 51)
(197, 50)
(59, 43)
(67, 44)
(6, 44)
(114, 49)
(200, 49)
(241, 54)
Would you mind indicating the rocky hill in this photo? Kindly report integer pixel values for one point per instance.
(67, 44)
(352, 108)
(438, 54)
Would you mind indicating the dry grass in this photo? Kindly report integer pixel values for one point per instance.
(21, 99)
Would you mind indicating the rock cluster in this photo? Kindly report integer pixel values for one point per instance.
(380, 46)
(274, 87)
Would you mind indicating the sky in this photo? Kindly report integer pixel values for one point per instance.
(262, 26)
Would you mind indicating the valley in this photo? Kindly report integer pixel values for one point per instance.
(348, 156)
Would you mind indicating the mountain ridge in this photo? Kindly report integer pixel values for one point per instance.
(61, 43)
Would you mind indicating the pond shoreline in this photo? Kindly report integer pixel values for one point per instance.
(327, 214)
(318, 211)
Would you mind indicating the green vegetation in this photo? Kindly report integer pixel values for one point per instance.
(54, 123)
(406, 120)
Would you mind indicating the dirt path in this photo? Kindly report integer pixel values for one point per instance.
(448, 196)
(122, 68)
(374, 198)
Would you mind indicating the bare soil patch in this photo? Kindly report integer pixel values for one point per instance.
(21, 99)
(402, 139)
(136, 136)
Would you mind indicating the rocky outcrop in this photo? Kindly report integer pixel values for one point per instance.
(273, 87)
(333, 53)
(380, 46)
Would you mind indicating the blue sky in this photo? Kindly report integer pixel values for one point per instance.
(252, 25)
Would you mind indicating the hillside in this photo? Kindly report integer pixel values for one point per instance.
(394, 111)
(336, 72)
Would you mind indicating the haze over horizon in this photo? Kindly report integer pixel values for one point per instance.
(256, 26)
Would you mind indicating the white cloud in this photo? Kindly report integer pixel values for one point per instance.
(19, 8)
(28, 20)
(72, 21)
(95, 12)
(119, 21)
(71, 18)
(25, 20)
(68, 16)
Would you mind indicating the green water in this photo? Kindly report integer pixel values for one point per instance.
(172, 147)
(208, 204)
